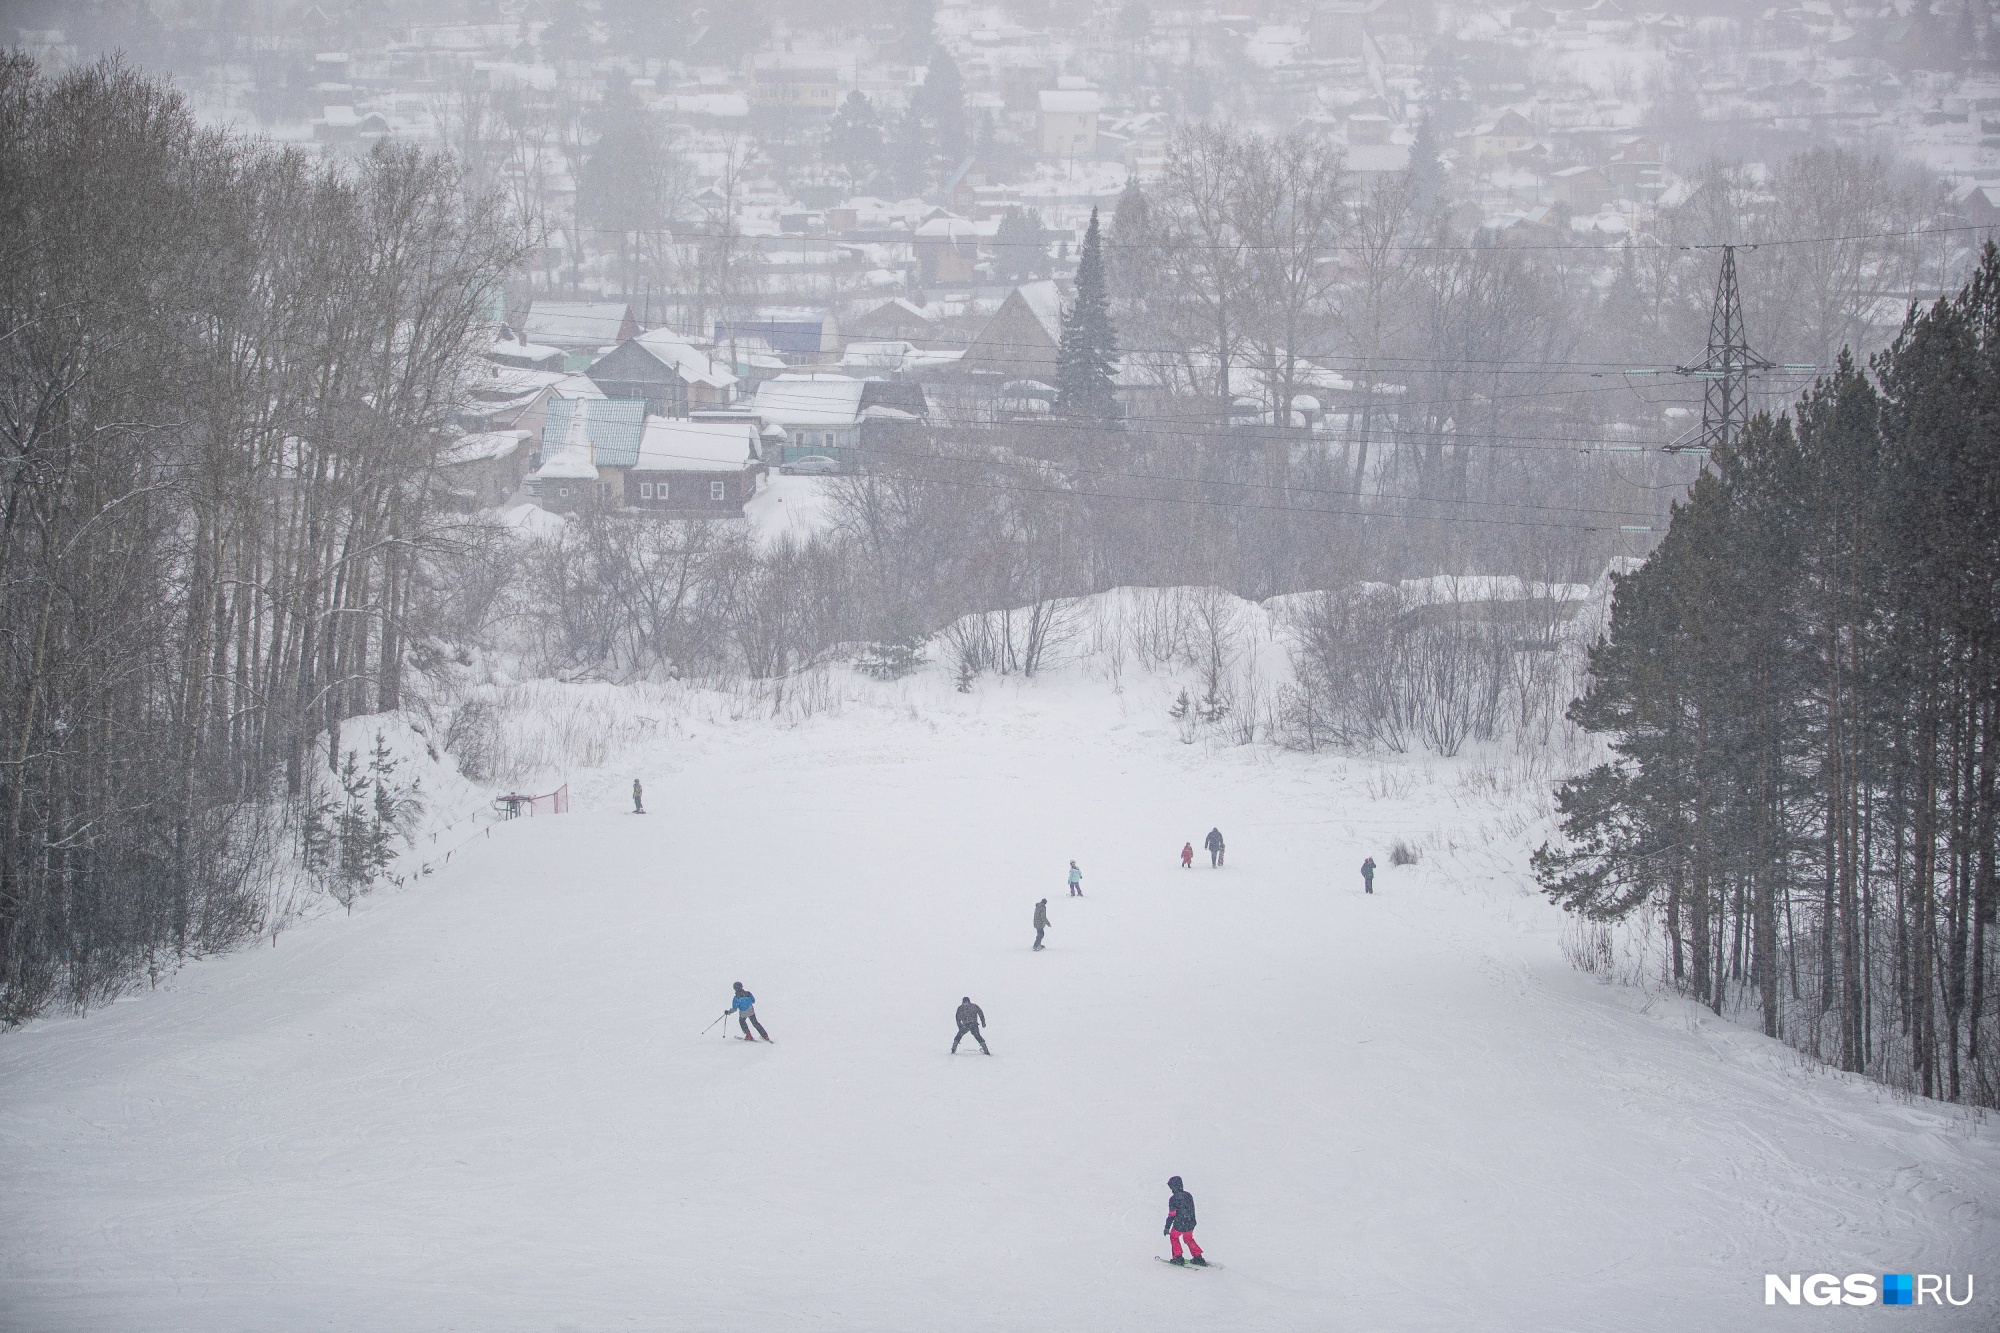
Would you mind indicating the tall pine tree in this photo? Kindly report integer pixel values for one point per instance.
(1086, 360)
(1801, 692)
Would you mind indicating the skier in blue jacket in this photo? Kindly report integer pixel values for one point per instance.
(744, 1006)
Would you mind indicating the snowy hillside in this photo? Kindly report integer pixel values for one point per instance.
(486, 1101)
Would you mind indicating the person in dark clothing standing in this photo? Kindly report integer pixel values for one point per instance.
(1214, 844)
(1368, 875)
(638, 798)
(970, 1019)
(1180, 1224)
(1041, 920)
(744, 1006)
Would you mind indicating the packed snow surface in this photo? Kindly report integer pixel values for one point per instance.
(486, 1101)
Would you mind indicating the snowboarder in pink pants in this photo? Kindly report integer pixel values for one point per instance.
(1180, 1225)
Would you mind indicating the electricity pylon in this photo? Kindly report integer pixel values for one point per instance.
(1726, 370)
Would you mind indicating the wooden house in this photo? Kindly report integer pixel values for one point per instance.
(694, 469)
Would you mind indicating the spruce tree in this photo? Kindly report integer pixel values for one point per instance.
(1086, 360)
(1018, 254)
(854, 138)
(1426, 169)
(1134, 251)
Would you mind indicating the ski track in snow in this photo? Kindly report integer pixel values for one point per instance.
(482, 1103)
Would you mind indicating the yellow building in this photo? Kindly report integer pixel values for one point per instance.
(816, 87)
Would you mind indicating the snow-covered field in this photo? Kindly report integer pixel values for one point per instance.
(485, 1101)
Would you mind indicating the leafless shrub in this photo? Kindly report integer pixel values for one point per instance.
(975, 645)
(1159, 626)
(1373, 672)
(472, 738)
(1108, 643)
(1047, 630)
(1587, 944)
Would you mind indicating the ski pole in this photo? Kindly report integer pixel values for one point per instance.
(705, 1031)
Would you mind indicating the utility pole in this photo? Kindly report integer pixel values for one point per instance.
(1725, 371)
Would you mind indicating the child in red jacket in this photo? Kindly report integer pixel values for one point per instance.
(1187, 856)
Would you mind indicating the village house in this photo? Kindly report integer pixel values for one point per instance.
(794, 84)
(342, 127)
(579, 328)
(801, 337)
(666, 372)
(694, 469)
(1977, 203)
(821, 417)
(948, 249)
(565, 482)
(1067, 122)
(514, 350)
(1146, 139)
(899, 319)
(1338, 29)
(1020, 341)
(588, 444)
(480, 471)
(1582, 190)
(1635, 170)
(1493, 143)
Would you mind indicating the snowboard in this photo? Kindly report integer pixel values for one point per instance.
(1193, 1268)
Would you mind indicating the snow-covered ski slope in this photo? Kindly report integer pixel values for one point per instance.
(484, 1102)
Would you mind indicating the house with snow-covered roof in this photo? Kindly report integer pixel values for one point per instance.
(820, 415)
(1500, 138)
(694, 469)
(799, 336)
(666, 372)
(514, 350)
(587, 444)
(948, 248)
(1066, 122)
(480, 470)
(823, 422)
(899, 319)
(1020, 340)
(579, 326)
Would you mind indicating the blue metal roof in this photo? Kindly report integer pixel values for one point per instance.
(788, 337)
(613, 427)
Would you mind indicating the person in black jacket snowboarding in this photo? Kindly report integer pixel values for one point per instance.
(1041, 920)
(1180, 1225)
(970, 1018)
(1214, 844)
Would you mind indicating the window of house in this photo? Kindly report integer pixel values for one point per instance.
(645, 490)
(718, 490)
(562, 490)
(660, 491)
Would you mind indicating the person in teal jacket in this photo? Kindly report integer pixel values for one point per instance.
(744, 1006)
(1075, 881)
